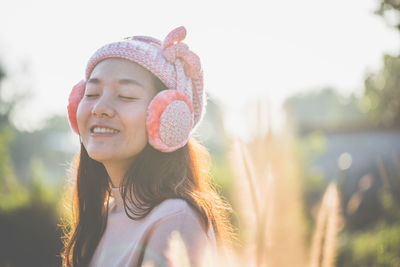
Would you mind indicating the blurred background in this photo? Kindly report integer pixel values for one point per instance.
(302, 121)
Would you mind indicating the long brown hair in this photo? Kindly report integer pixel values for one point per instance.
(153, 177)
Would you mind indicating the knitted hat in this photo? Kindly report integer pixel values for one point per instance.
(173, 113)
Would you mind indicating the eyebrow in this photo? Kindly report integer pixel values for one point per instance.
(120, 81)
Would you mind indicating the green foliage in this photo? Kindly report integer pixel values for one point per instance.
(20, 150)
(40, 191)
(6, 135)
(390, 207)
(379, 246)
(312, 180)
(29, 208)
(51, 145)
(12, 195)
(13, 199)
(382, 89)
(323, 109)
(309, 148)
(222, 173)
(385, 7)
(312, 145)
(382, 93)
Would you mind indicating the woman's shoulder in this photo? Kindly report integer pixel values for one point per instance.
(179, 213)
(173, 207)
(178, 227)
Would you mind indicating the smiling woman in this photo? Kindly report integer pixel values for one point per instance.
(135, 113)
(111, 116)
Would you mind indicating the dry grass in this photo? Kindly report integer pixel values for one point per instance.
(323, 247)
(269, 203)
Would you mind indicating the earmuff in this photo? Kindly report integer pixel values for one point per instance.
(75, 97)
(169, 120)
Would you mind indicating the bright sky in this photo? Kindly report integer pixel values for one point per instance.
(248, 49)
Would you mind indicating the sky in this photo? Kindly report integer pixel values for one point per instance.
(266, 50)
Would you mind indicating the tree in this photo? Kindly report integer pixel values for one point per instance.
(382, 89)
(382, 93)
(387, 6)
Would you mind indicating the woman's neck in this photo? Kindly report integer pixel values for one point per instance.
(116, 170)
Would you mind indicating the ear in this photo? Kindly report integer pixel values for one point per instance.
(74, 99)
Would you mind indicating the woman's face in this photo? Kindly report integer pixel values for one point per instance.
(112, 114)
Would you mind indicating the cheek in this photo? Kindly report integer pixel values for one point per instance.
(135, 119)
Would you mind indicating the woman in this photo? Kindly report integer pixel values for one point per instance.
(134, 112)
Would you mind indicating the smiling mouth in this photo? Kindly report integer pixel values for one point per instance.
(103, 130)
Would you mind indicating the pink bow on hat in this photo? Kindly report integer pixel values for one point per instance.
(173, 48)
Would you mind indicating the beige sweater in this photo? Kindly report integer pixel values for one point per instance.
(123, 239)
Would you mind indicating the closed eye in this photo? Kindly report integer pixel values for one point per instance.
(90, 95)
(127, 97)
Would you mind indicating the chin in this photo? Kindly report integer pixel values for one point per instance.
(99, 159)
(101, 156)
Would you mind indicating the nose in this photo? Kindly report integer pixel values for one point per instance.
(103, 107)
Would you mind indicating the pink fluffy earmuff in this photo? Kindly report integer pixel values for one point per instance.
(173, 113)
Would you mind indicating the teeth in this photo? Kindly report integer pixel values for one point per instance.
(104, 130)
